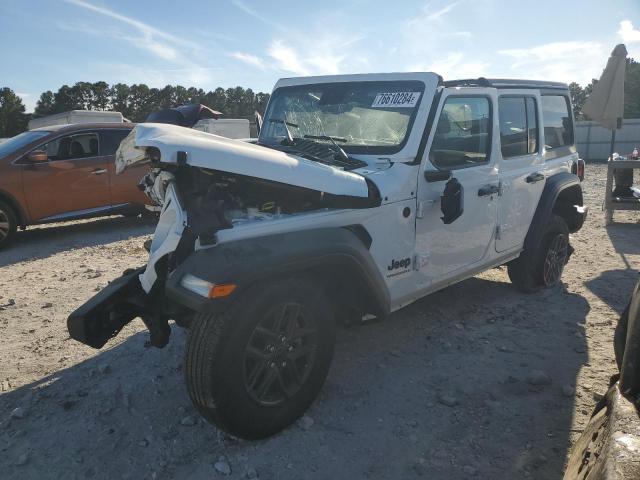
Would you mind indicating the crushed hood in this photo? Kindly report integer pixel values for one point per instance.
(223, 154)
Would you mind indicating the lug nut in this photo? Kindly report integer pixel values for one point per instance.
(272, 365)
(284, 364)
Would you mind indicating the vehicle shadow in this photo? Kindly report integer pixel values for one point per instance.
(617, 298)
(624, 237)
(41, 241)
(440, 390)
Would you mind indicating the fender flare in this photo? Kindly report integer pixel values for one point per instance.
(553, 187)
(630, 365)
(245, 262)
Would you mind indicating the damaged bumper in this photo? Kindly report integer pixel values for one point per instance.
(105, 314)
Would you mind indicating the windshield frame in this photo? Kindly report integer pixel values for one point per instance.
(7, 149)
(417, 85)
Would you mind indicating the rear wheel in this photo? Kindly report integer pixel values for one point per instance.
(543, 267)
(256, 368)
(8, 224)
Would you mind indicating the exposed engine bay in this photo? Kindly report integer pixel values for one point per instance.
(216, 200)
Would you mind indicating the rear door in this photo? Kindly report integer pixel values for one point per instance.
(521, 166)
(124, 187)
(73, 181)
(461, 145)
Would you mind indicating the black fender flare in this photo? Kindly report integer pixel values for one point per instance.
(553, 188)
(336, 250)
(630, 364)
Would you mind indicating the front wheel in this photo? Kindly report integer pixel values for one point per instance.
(256, 368)
(542, 267)
(8, 224)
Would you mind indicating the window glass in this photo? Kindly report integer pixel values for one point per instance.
(558, 128)
(532, 123)
(363, 117)
(513, 126)
(462, 134)
(82, 145)
(110, 140)
(20, 141)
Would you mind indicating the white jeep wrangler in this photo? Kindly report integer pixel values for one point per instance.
(362, 194)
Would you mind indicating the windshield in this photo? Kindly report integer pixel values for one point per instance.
(19, 141)
(362, 117)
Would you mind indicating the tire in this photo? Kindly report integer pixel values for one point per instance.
(8, 224)
(241, 376)
(542, 267)
(620, 336)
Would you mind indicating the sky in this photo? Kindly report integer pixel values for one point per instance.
(212, 43)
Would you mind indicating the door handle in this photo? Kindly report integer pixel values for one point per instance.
(99, 171)
(535, 177)
(488, 190)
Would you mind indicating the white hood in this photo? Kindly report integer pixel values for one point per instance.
(219, 153)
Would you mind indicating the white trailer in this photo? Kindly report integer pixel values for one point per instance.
(225, 127)
(76, 116)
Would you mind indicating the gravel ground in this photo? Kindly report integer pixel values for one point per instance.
(477, 380)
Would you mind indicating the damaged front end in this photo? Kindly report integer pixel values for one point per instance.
(205, 184)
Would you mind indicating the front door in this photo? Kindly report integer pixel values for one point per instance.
(461, 145)
(521, 167)
(73, 180)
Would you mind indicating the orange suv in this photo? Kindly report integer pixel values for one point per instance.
(65, 172)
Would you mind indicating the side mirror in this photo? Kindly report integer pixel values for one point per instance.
(451, 201)
(38, 156)
(437, 175)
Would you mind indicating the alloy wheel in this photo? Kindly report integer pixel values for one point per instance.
(280, 354)
(4, 225)
(555, 260)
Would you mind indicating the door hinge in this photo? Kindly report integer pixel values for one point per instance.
(500, 188)
(420, 210)
(498, 232)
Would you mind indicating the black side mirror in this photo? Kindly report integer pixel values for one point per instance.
(437, 175)
(451, 201)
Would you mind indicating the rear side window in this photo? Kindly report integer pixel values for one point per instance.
(462, 137)
(558, 125)
(111, 140)
(518, 126)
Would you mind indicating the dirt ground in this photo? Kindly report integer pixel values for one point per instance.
(475, 381)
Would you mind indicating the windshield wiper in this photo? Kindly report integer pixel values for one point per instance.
(286, 124)
(326, 137)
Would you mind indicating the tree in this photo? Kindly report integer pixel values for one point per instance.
(137, 101)
(45, 104)
(632, 89)
(12, 117)
(578, 98)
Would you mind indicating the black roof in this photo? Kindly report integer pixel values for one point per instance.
(505, 83)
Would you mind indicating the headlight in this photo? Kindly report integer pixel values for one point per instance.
(206, 289)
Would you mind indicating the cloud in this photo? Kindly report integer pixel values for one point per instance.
(250, 59)
(286, 58)
(440, 13)
(628, 33)
(454, 65)
(159, 43)
(571, 61)
(252, 13)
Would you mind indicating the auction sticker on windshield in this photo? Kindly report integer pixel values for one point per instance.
(396, 99)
